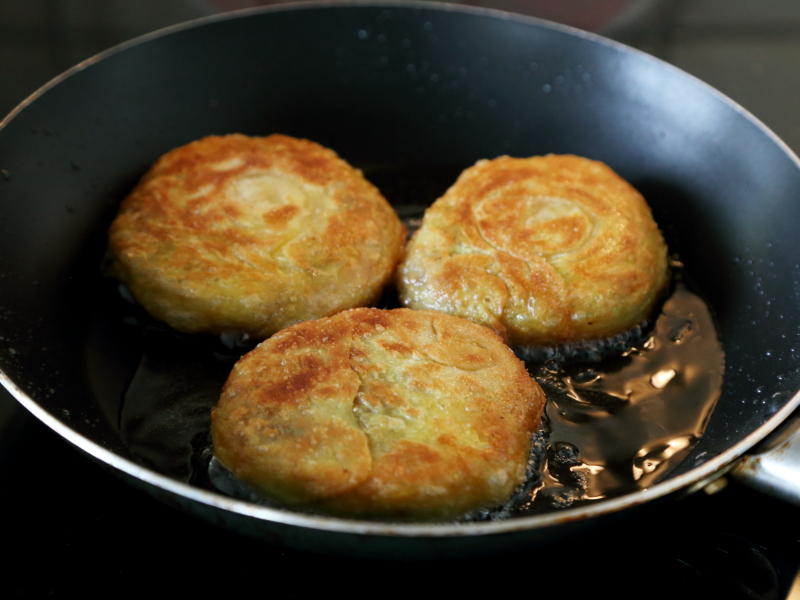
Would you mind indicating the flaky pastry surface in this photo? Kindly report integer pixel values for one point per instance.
(544, 250)
(373, 413)
(249, 234)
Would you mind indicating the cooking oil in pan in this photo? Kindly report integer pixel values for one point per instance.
(614, 423)
(625, 422)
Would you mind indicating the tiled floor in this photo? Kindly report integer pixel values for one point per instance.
(750, 51)
(41, 38)
(739, 12)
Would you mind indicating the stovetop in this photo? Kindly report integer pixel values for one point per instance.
(71, 527)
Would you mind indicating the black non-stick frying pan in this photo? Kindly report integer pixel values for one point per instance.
(412, 94)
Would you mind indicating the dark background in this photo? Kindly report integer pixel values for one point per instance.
(72, 528)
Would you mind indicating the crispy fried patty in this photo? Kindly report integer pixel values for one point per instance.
(545, 250)
(250, 234)
(374, 413)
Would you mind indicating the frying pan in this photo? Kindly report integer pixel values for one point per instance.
(407, 92)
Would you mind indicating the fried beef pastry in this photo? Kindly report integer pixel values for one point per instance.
(249, 234)
(546, 251)
(380, 413)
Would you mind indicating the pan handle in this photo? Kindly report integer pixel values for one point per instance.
(774, 466)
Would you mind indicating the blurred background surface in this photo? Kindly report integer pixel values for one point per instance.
(748, 50)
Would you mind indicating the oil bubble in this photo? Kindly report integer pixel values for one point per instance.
(552, 366)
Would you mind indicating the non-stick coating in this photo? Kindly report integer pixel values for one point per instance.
(407, 90)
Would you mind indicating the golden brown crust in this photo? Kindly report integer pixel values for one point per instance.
(392, 414)
(237, 233)
(544, 250)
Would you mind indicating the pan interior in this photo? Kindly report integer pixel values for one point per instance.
(620, 415)
(412, 96)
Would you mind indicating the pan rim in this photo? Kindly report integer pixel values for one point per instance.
(697, 476)
(701, 474)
